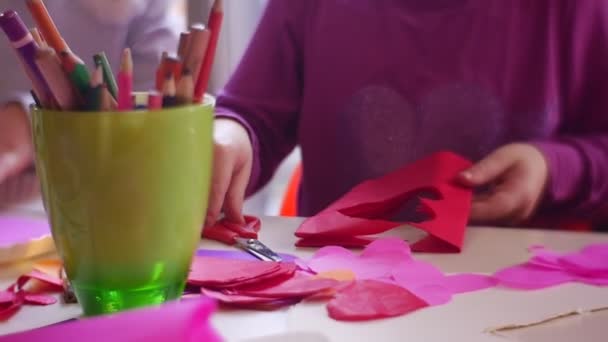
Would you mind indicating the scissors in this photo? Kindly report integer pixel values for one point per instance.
(245, 236)
(257, 249)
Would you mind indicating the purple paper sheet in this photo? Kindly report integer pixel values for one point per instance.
(241, 255)
(18, 230)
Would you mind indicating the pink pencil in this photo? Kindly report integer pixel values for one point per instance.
(125, 81)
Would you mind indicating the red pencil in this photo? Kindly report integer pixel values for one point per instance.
(155, 100)
(215, 24)
(125, 81)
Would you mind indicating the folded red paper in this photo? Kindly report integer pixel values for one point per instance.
(368, 208)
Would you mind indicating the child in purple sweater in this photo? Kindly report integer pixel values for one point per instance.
(366, 86)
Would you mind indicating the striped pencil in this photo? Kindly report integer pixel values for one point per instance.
(185, 88)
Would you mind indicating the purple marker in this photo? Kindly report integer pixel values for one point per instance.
(23, 43)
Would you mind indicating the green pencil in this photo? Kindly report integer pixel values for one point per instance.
(100, 59)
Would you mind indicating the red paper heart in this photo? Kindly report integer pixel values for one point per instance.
(371, 299)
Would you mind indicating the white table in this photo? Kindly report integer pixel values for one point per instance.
(465, 318)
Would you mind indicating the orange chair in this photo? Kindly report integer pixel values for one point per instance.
(289, 206)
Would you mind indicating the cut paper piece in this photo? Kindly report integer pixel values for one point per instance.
(321, 241)
(371, 299)
(185, 321)
(31, 289)
(6, 297)
(369, 207)
(239, 255)
(390, 260)
(206, 271)
(339, 275)
(375, 262)
(54, 282)
(286, 270)
(225, 231)
(547, 268)
(235, 298)
(462, 283)
(381, 281)
(23, 237)
(298, 286)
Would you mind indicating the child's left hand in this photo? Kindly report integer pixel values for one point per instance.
(516, 175)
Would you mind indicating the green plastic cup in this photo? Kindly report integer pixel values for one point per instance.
(126, 194)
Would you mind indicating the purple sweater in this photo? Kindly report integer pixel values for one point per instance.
(365, 86)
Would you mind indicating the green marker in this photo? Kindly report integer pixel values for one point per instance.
(100, 59)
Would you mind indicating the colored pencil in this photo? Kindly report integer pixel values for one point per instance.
(55, 77)
(125, 81)
(107, 101)
(198, 48)
(94, 94)
(185, 88)
(169, 92)
(38, 37)
(161, 71)
(108, 76)
(46, 25)
(174, 66)
(36, 99)
(215, 23)
(184, 44)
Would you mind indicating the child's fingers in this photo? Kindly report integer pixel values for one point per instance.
(223, 169)
(233, 204)
(504, 205)
(489, 168)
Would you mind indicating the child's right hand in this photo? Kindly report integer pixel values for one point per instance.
(232, 160)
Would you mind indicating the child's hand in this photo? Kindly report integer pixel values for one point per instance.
(232, 157)
(516, 174)
(16, 148)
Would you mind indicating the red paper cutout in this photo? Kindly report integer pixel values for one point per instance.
(297, 286)
(372, 299)
(225, 231)
(254, 284)
(367, 208)
(19, 293)
(207, 271)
